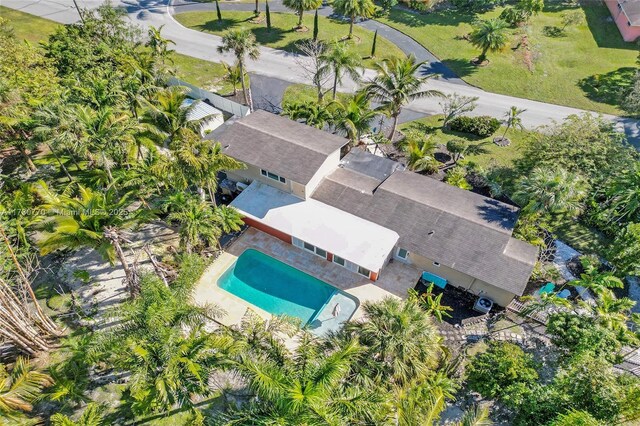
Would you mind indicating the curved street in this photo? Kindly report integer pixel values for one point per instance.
(282, 66)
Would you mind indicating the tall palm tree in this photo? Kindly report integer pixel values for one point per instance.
(243, 45)
(478, 416)
(611, 312)
(397, 84)
(299, 6)
(20, 387)
(513, 119)
(551, 191)
(166, 116)
(490, 35)
(342, 60)
(353, 117)
(354, 9)
(198, 224)
(195, 161)
(94, 219)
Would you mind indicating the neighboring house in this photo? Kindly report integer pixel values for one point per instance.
(363, 211)
(626, 15)
(211, 117)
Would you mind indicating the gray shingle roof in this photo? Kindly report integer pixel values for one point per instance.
(282, 146)
(462, 230)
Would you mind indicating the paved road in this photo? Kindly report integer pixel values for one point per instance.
(405, 43)
(283, 66)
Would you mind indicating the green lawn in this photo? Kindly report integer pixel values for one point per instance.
(205, 74)
(283, 36)
(28, 27)
(493, 155)
(591, 55)
(305, 93)
(201, 73)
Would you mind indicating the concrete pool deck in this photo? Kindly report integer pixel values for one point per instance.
(394, 281)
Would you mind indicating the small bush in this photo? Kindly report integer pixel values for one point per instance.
(503, 366)
(483, 126)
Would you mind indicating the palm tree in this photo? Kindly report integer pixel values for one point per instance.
(197, 224)
(611, 312)
(478, 416)
(299, 6)
(94, 219)
(513, 119)
(243, 45)
(400, 340)
(20, 387)
(93, 415)
(396, 85)
(312, 114)
(354, 116)
(195, 161)
(160, 341)
(419, 153)
(228, 219)
(624, 196)
(158, 44)
(490, 35)
(595, 280)
(354, 9)
(342, 60)
(166, 115)
(432, 304)
(233, 76)
(551, 191)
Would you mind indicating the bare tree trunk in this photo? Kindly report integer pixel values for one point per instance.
(212, 195)
(113, 235)
(335, 84)
(32, 167)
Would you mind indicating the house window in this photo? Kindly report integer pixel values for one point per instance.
(321, 252)
(309, 247)
(272, 176)
(337, 259)
(364, 271)
(436, 264)
(403, 253)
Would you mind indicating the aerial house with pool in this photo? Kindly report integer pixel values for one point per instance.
(361, 221)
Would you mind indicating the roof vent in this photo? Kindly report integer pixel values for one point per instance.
(431, 232)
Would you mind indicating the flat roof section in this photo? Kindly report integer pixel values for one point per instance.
(343, 234)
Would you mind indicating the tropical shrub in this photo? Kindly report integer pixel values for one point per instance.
(483, 126)
(503, 366)
(624, 253)
(579, 333)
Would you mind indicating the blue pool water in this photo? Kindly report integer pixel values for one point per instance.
(276, 287)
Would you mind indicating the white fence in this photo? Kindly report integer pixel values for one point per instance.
(217, 101)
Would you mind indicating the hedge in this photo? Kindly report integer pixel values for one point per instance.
(483, 126)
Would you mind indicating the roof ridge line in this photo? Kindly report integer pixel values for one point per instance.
(286, 138)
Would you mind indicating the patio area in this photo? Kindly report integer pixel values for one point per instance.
(396, 278)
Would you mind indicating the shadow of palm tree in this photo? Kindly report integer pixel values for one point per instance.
(608, 88)
(215, 25)
(461, 66)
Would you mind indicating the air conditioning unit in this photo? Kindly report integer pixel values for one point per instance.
(241, 186)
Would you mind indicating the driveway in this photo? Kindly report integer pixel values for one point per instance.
(283, 66)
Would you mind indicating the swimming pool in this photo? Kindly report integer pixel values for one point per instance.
(276, 287)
